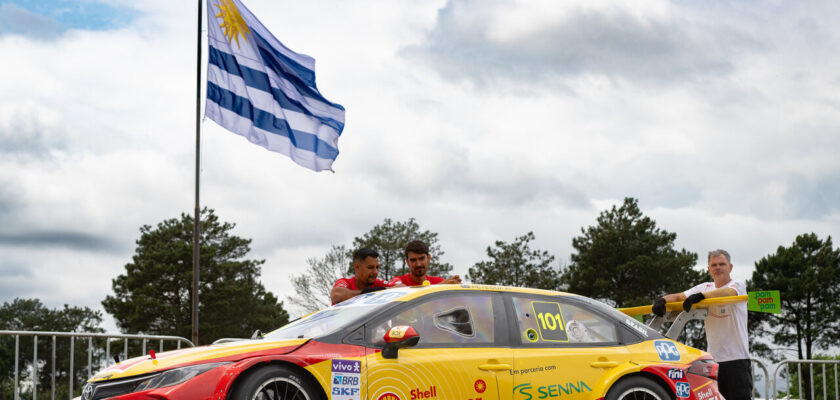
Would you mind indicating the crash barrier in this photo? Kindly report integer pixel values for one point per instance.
(73, 337)
(823, 379)
(756, 362)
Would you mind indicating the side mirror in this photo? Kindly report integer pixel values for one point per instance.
(397, 338)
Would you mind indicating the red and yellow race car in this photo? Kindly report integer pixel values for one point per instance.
(445, 342)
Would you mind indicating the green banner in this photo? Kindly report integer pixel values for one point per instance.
(768, 301)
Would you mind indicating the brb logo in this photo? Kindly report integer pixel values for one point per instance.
(667, 350)
(683, 390)
(676, 374)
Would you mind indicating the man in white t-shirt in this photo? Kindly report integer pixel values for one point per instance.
(726, 325)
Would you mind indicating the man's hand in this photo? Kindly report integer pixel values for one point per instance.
(372, 289)
(691, 300)
(659, 307)
(453, 280)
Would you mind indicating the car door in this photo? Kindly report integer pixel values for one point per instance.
(562, 348)
(461, 354)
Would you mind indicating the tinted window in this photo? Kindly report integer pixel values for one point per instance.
(463, 319)
(546, 320)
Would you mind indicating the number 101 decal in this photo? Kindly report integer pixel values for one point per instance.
(550, 321)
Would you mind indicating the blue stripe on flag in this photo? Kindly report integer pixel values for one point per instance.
(259, 80)
(305, 74)
(268, 122)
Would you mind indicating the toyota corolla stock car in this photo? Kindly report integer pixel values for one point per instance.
(445, 342)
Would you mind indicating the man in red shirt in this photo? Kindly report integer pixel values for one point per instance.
(366, 265)
(417, 258)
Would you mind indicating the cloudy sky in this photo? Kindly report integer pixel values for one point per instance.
(483, 119)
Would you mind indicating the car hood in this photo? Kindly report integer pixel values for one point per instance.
(230, 351)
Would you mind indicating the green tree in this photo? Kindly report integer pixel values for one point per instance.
(154, 295)
(808, 276)
(515, 264)
(625, 259)
(312, 287)
(32, 315)
(389, 239)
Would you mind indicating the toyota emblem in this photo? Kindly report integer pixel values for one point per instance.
(87, 391)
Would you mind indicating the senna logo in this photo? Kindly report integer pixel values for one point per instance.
(551, 391)
(524, 389)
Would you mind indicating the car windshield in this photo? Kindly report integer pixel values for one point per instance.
(331, 319)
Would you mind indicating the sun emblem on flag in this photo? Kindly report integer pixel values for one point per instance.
(232, 22)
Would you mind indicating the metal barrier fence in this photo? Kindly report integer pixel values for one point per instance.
(810, 363)
(90, 351)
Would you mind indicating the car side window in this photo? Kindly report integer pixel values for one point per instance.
(547, 320)
(462, 319)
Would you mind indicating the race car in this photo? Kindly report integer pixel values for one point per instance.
(458, 342)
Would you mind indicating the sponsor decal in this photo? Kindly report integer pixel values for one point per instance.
(346, 379)
(480, 386)
(636, 326)
(397, 332)
(421, 393)
(388, 396)
(524, 389)
(676, 374)
(667, 350)
(683, 390)
(550, 321)
(707, 394)
(552, 391)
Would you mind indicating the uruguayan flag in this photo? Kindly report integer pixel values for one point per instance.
(258, 88)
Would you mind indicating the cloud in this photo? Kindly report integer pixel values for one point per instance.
(67, 239)
(538, 42)
(15, 20)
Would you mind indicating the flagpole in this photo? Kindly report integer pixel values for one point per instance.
(197, 218)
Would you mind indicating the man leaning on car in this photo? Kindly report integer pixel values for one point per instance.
(726, 325)
(366, 265)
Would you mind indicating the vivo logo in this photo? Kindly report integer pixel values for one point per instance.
(346, 366)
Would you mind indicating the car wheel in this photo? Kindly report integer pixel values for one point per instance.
(637, 388)
(276, 382)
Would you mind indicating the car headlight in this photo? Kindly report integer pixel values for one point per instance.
(103, 390)
(174, 376)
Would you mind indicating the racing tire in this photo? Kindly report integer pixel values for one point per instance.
(276, 382)
(637, 388)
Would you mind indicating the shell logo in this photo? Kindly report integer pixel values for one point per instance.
(388, 396)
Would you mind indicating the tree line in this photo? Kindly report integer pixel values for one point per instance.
(624, 259)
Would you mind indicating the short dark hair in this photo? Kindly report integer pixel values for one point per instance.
(363, 253)
(416, 246)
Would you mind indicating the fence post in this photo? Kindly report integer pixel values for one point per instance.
(72, 353)
(17, 354)
(35, 368)
(52, 390)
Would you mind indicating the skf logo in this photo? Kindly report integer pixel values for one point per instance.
(676, 374)
(524, 389)
(667, 350)
(345, 391)
(683, 390)
(388, 396)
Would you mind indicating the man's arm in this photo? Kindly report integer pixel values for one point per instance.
(339, 294)
(670, 298)
(720, 292)
(453, 280)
